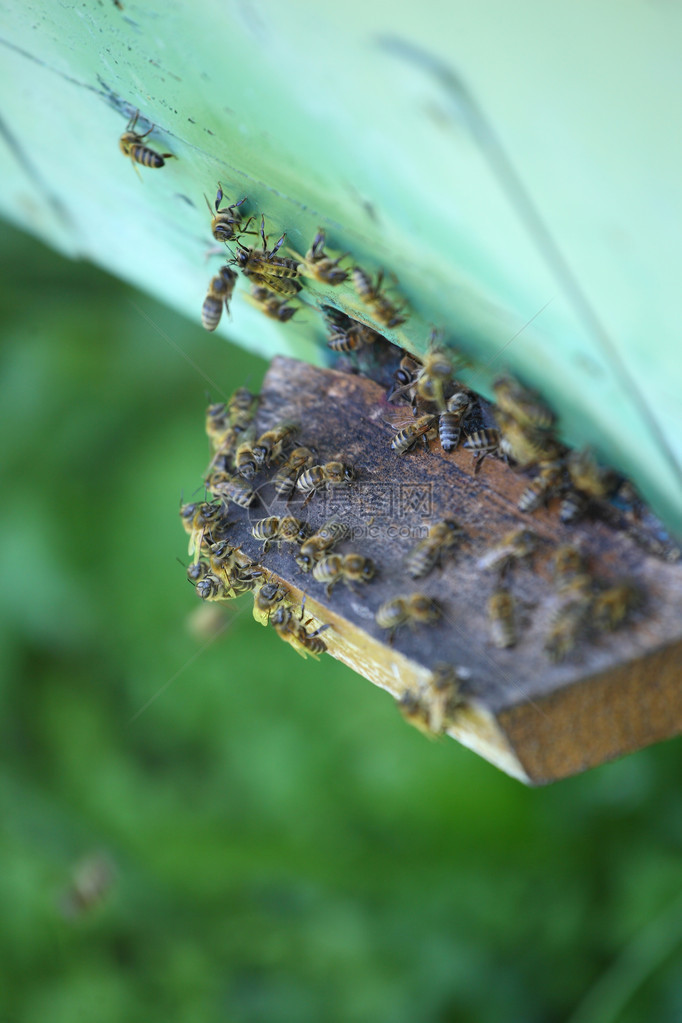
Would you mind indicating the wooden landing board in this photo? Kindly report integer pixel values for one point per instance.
(536, 720)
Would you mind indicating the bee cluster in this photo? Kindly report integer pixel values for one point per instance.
(220, 570)
(255, 468)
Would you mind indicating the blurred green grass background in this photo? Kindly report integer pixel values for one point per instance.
(286, 848)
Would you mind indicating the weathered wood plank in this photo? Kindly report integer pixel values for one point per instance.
(537, 720)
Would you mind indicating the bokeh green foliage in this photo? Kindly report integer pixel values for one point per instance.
(287, 849)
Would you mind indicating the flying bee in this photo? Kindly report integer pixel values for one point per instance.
(220, 290)
(483, 443)
(226, 223)
(280, 530)
(420, 429)
(524, 406)
(230, 488)
(285, 478)
(316, 263)
(501, 618)
(295, 632)
(265, 263)
(321, 477)
(331, 568)
(266, 599)
(450, 421)
(542, 488)
(132, 145)
(611, 607)
(268, 448)
(526, 445)
(427, 553)
(416, 609)
(320, 543)
(589, 477)
(92, 880)
(433, 377)
(515, 546)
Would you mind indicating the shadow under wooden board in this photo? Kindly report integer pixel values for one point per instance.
(613, 693)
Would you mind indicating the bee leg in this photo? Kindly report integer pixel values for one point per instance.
(307, 498)
(135, 167)
(262, 233)
(277, 244)
(133, 121)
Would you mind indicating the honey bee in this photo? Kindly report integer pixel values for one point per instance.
(433, 377)
(573, 506)
(524, 406)
(316, 263)
(92, 880)
(212, 588)
(244, 459)
(430, 379)
(241, 408)
(218, 428)
(226, 224)
(569, 565)
(589, 477)
(295, 632)
(197, 520)
(268, 448)
(427, 553)
(406, 377)
(483, 443)
(526, 445)
(349, 340)
(542, 488)
(331, 568)
(266, 599)
(501, 618)
(420, 429)
(317, 545)
(321, 477)
(433, 708)
(230, 488)
(280, 530)
(371, 295)
(416, 609)
(446, 697)
(197, 570)
(566, 624)
(262, 265)
(220, 290)
(272, 306)
(450, 421)
(515, 546)
(285, 478)
(132, 145)
(611, 607)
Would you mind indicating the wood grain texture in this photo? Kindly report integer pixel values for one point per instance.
(536, 720)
